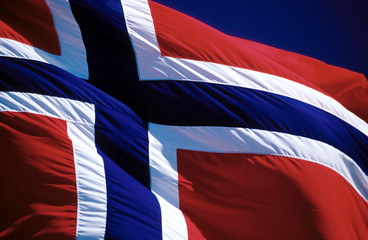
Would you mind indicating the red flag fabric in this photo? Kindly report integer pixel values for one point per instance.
(131, 120)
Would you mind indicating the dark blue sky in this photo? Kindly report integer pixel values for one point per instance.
(335, 32)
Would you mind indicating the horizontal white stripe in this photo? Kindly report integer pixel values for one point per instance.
(61, 108)
(90, 172)
(153, 66)
(73, 54)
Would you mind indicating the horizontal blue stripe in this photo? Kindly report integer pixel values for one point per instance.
(203, 104)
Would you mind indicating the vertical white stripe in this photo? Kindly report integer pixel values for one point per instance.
(91, 183)
(173, 222)
(161, 171)
(73, 52)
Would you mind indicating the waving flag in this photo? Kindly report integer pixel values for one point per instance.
(130, 120)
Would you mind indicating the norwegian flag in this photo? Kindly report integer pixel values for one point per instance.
(130, 120)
